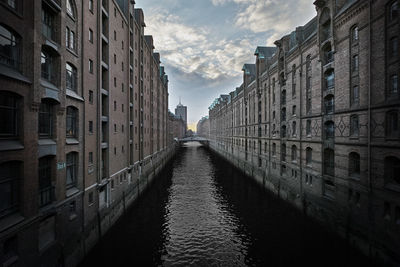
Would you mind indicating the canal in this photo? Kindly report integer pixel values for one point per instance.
(202, 212)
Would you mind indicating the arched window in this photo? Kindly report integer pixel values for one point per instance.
(354, 34)
(9, 48)
(329, 79)
(71, 77)
(329, 162)
(329, 103)
(294, 128)
(329, 130)
(327, 53)
(46, 119)
(283, 152)
(392, 124)
(308, 127)
(283, 114)
(47, 63)
(294, 153)
(9, 187)
(308, 156)
(46, 189)
(9, 114)
(394, 11)
(72, 170)
(354, 164)
(354, 125)
(293, 80)
(325, 21)
(71, 8)
(283, 131)
(72, 122)
(392, 170)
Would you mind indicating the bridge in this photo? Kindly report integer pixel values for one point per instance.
(199, 139)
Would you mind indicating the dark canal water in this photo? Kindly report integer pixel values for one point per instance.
(203, 212)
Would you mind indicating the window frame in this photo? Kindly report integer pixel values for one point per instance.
(71, 170)
(13, 112)
(72, 118)
(13, 181)
(10, 58)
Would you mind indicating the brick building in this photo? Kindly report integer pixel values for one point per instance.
(316, 120)
(83, 108)
(203, 127)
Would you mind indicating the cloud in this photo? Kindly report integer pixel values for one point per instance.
(275, 16)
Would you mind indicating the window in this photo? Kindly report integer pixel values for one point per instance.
(283, 131)
(70, 8)
(115, 128)
(283, 114)
(392, 124)
(91, 6)
(91, 36)
(46, 189)
(72, 170)
(9, 187)
(328, 54)
(355, 95)
(308, 156)
(293, 80)
(9, 115)
(90, 127)
(329, 162)
(9, 48)
(329, 104)
(294, 128)
(71, 77)
(294, 110)
(115, 105)
(392, 170)
(115, 82)
(354, 125)
(394, 47)
(72, 122)
(11, 3)
(90, 66)
(90, 96)
(308, 83)
(329, 130)
(273, 149)
(354, 165)
(329, 79)
(394, 11)
(325, 22)
(45, 120)
(48, 24)
(294, 153)
(355, 63)
(115, 35)
(47, 66)
(393, 87)
(90, 157)
(283, 97)
(283, 152)
(90, 198)
(70, 39)
(354, 34)
(308, 127)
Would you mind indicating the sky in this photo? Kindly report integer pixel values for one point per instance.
(204, 43)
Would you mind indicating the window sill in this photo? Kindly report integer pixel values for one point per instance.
(72, 191)
(8, 145)
(74, 95)
(14, 74)
(10, 220)
(71, 141)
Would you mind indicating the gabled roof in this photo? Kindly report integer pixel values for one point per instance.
(264, 51)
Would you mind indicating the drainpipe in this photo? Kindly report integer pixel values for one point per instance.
(84, 131)
(370, 210)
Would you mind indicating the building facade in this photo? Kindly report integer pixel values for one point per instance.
(177, 127)
(203, 127)
(181, 112)
(83, 109)
(316, 120)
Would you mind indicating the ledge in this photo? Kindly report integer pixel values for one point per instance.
(13, 74)
(71, 141)
(10, 221)
(7, 145)
(72, 191)
(74, 95)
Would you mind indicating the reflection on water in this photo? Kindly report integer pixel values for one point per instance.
(203, 212)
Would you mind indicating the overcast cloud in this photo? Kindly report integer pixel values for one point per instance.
(204, 43)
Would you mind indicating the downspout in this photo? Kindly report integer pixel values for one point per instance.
(370, 210)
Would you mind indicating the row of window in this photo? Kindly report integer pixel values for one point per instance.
(11, 181)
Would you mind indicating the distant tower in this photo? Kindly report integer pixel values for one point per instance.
(181, 111)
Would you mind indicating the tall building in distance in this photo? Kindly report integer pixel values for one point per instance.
(181, 112)
(84, 124)
(316, 120)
